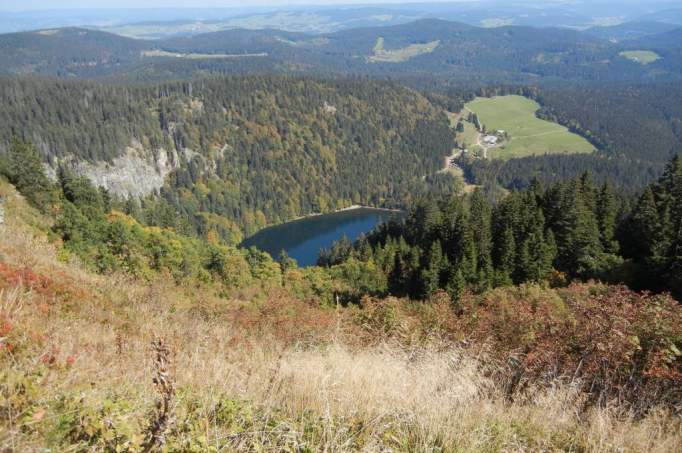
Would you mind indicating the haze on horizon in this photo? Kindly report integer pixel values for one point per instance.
(37, 5)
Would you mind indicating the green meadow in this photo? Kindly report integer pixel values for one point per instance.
(528, 134)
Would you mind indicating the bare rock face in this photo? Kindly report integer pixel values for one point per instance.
(137, 172)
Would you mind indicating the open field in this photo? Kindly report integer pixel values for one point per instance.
(643, 57)
(382, 55)
(528, 134)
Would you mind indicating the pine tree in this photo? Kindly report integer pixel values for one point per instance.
(586, 248)
(675, 268)
(459, 245)
(536, 254)
(572, 210)
(286, 262)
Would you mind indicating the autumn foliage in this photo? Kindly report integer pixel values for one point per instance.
(618, 344)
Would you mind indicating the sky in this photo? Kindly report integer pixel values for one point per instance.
(26, 5)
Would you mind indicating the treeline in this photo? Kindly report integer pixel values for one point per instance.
(568, 230)
(626, 175)
(464, 54)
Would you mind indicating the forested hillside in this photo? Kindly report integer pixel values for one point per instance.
(67, 52)
(256, 151)
(641, 121)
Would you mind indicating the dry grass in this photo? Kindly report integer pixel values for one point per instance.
(89, 339)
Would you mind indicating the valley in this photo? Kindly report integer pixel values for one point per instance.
(412, 227)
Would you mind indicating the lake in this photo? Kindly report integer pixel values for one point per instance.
(302, 239)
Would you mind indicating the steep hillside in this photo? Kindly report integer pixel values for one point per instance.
(251, 356)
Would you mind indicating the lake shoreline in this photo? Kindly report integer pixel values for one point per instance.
(302, 239)
(349, 208)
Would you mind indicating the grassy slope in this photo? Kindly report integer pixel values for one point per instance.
(258, 370)
(529, 134)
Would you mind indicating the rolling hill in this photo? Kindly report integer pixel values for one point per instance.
(426, 48)
(67, 52)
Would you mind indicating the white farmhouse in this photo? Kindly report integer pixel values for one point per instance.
(490, 140)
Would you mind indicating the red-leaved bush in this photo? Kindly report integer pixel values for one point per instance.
(56, 287)
(616, 343)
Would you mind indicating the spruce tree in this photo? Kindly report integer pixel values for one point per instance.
(606, 218)
(645, 230)
(436, 264)
(587, 251)
(505, 258)
(455, 287)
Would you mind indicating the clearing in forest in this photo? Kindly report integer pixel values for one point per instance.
(643, 57)
(526, 134)
(382, 55)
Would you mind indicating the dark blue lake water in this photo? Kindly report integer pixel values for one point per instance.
(302, 239)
